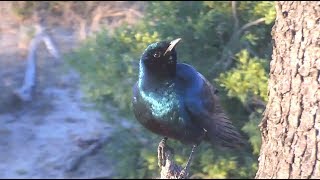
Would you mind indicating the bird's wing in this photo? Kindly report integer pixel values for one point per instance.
(204, 107)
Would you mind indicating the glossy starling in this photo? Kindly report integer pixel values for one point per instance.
(174, 100)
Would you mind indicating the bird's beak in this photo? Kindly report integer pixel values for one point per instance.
(172, 45)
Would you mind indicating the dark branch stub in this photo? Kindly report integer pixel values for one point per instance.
(285, 14)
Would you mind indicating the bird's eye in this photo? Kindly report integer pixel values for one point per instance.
(156, 54)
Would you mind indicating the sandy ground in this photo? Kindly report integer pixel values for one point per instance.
(51, 136)
(58, 134)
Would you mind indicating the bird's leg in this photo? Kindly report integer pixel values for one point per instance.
(162, 149)
(185, 171)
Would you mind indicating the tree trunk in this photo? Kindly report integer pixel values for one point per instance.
(291, 122)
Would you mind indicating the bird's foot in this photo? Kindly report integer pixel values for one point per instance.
(185, 171)
(163, 148)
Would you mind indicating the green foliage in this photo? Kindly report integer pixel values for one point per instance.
(108, 64)
(251, 128)
(265, 9)
(104, 60)
(131, 155)
(248, 78)
(203, 26)
(258, 9)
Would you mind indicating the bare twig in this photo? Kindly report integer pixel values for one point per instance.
(234, 13)
(233, 45)
(252, 23)
(53, 50)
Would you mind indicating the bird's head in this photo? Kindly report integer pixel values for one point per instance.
(161, 57)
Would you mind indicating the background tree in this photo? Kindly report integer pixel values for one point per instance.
(291, 122)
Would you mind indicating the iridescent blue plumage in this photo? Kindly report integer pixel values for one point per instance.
(174, 100)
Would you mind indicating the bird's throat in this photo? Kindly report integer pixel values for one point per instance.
(156, 75)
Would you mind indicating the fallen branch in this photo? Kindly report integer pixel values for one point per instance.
(25, 92)
(91, 145)
(29, 83)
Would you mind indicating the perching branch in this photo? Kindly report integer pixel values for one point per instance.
(169, 169)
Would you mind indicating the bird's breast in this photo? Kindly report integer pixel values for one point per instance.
(163, 103)
(162, 111)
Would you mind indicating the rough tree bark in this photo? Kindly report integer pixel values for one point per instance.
(291, 123)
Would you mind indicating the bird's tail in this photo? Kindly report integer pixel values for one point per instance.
(223, 133)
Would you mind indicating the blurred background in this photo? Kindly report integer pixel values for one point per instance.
(79, 122)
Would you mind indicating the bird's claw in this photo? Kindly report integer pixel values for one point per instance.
(161, 152)
(183, 174)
